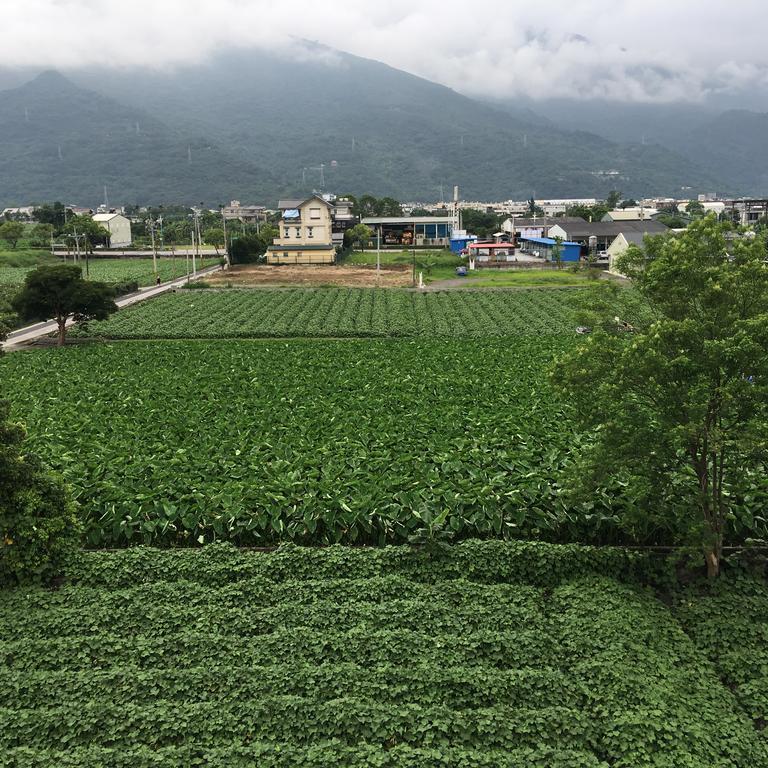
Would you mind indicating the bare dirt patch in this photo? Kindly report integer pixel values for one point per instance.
(347, 276)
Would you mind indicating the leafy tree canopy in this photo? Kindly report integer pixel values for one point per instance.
(59, 291)
(11, 232)
(677, 410)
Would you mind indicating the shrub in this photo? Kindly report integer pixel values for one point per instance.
(39, 530)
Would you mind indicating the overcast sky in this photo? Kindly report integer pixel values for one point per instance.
(638, 50)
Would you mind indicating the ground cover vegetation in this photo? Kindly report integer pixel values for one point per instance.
(341, 312)
(478, 655)
(736, 646)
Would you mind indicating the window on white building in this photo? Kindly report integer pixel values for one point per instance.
(309, 231)
(314, 213)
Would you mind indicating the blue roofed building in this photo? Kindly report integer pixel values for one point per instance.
(543, 247)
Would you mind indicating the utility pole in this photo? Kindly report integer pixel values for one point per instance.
(224, 224)
(378, 252)
(195, 242)
(154, 247)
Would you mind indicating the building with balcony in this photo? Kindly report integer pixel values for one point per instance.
(306, 234)
(248, 214)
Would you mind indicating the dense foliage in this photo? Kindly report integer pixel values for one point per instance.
(727, 622)
(316, 441)
(39, 531)
(679, 407)
(343, 312)
(60, 292)
(335, 657)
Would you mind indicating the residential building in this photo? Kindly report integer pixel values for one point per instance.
(605, 232)
(248, 214)
(747, 211)
(306, 235)
(22, 213)
(537, 226)
(621, 242)
(118, 226)
(343, 218)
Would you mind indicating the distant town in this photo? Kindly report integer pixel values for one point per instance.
(320, 228)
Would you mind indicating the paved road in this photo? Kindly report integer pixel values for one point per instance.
(32, 332)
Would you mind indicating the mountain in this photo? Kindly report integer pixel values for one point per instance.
(390, 133)
(730, 144)
(735, 144)
(261, 125)
(59, 141)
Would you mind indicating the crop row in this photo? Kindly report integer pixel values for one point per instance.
(310, 441)
(342, 312)
(287, 755)
(250, 619)
(463, 687)
(113, 270)
(593, 668)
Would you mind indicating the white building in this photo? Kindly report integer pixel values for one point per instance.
(631, 214)
(23, 213)
(118, 226)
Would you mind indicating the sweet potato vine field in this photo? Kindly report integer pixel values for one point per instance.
(485, 656)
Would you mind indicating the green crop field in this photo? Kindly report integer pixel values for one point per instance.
(106, 270)
(344, 312)
(308, 440)
(482, 656)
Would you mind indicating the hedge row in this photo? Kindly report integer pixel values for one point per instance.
(489, 562)
(324, 755)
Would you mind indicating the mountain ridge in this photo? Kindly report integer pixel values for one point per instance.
(264, 126)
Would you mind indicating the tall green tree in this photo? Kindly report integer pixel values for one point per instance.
(59, 291)
(360, 234)
(677, 411)
(87, 231)
(613, 199)
(40, 236)
(480, 223)
(557, 252)
(39, 528)
(215, 237)
(588, 212)
(11, 232)
(53, 214)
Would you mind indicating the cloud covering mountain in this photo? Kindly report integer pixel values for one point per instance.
(654, 51)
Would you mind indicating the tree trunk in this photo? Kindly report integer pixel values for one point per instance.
(713, 555)
(62, 334)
